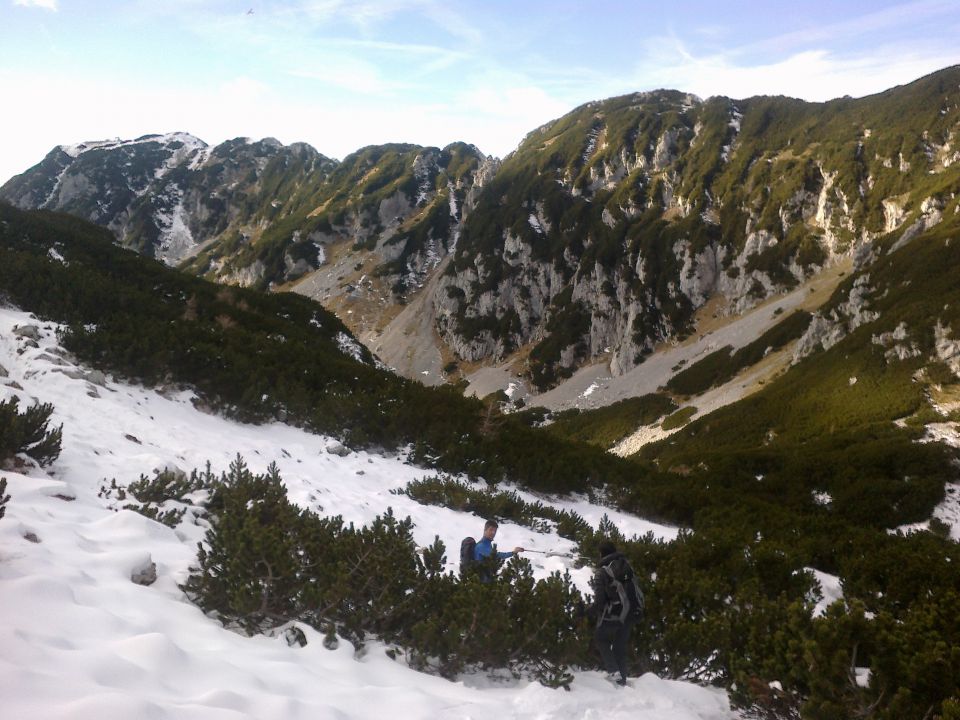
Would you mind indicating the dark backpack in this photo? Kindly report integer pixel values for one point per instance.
(468, 557)
(624, 597)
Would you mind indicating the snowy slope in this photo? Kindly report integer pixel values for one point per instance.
(78, 639)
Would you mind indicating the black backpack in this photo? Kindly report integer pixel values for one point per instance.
(624, 597)
(468, 557)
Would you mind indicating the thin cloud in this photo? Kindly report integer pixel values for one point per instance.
(351, 74)
(814, 74)
(871, 23)
(45, 4)
(368, 14)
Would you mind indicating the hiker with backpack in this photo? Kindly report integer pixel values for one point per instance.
(483, 553)
(617, 605)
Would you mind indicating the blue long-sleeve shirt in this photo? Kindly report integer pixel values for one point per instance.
(485, 548)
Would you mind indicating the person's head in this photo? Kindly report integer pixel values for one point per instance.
(490, 529)
(607, 548)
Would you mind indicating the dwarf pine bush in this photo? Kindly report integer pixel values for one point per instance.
(4, 498)
(266, 562)
(28, 433)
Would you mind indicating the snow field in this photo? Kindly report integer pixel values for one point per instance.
(79, 640)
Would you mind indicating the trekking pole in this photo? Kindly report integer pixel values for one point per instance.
(551, 553)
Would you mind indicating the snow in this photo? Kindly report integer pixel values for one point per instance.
(199, 158)
(421, 171)
(830, 588)
(822, 498)
(590, 390)
(735, 117)
(592, 138)
(535, 223)
(350, 347)
(948, 511)
(79, 640)
(176, 240)
(455, 219)
(55, 254)
(190, 143)
(55, 188)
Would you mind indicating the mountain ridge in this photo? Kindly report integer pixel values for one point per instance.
(600, 237)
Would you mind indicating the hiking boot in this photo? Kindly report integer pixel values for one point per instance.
(616, 678)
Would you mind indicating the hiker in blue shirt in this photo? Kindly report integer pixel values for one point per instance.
(485, 548)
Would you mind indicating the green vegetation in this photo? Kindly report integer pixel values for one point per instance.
(627, 188)
(166, 497)
(732, 604)
(608, 425)
(499, 505)
(722, 365)
(28, 433)
(4, 498)
(266, 562)
(298, 200)
(566, 330)
(678, 419)
(825, 428)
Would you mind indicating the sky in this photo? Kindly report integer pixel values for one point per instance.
(341, 75)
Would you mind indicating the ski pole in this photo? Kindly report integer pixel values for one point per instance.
(551, 553)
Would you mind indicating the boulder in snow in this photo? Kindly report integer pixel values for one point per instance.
(338, 449)
(145, 574)
(31, 332)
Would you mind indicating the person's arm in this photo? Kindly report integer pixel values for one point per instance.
(504, 555)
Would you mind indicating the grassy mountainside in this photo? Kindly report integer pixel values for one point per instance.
(608, 228)
(259, 212)
(402, 200)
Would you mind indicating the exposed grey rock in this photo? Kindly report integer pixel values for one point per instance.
(826, 332)
(930, 215)
(295, 637)
(948, 349)
(52, 359)
(31, 332)
(145, 574)
(94, 377)
(896, 345)
(338, 449)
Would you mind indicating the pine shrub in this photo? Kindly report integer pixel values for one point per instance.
(28, 433)
(265, 562)
(4, 498)
(249, 569)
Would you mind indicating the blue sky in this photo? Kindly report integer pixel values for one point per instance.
(340, 75)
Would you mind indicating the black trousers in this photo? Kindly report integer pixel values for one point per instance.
(612, 638)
